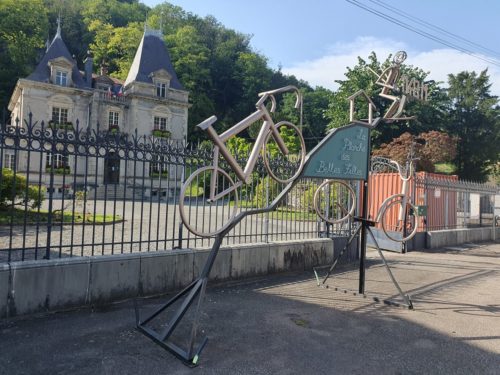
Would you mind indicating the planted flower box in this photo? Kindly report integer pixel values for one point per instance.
(59, 170)
(68, 126)
(158, 174)
(161, 133)
(114, 129)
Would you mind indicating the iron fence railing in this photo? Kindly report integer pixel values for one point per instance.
(73, 191)
(452, 203)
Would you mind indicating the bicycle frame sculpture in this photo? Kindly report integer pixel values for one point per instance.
(407, 219)
(397, 214)
(388, 81)
(218, 186)
(196, 290)
(222, 193)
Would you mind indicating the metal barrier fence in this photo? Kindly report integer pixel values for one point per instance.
(453, 203)
(71, 191)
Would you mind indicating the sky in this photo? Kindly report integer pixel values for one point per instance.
(316, 40)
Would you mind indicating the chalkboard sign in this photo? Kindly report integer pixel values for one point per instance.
(343, 154)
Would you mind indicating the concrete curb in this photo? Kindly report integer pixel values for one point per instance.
(51, 285)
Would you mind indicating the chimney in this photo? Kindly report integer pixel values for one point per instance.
(104, 69)
(89, 62)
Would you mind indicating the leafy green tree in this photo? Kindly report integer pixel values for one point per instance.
(430, 115)
(190, 58)
(239, 146)
(475, 119)
(254, 76)
(115, 12)
(23, 30)
(73, 28)
(116, 46)
(315, 103)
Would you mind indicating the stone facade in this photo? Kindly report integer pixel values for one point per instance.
(151, 102)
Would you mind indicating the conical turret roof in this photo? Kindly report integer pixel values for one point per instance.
(152, 56)
(56, 49)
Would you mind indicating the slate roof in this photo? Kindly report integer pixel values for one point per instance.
(57, 49)
(151, 56)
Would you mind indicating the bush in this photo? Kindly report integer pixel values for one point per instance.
(267, 189)
(15, 191)
(161, 133)
(307, 199)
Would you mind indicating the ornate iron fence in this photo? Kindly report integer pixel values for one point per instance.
(73, 191)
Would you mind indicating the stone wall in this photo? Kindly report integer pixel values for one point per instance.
(51, 285)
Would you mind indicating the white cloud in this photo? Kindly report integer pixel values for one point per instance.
(438, 62)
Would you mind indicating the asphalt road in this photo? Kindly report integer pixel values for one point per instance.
(285, 324)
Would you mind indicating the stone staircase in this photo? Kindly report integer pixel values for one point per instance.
(119, 192)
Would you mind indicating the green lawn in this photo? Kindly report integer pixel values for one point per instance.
(42, 217)
(445, 168)
(284, 213)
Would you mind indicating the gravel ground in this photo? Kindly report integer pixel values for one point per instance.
(144, 226)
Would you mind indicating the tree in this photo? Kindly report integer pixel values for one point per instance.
(190, 59)
(439, 147)
(315, 103)
(23, 30)
(14, 191)
(115, 12)
(430, 115)
(430, 148)
(475, 119)
(115, 46)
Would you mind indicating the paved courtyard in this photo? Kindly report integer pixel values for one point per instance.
(285, 324)
(146, 226)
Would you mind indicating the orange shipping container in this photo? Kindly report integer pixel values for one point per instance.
(441, 203)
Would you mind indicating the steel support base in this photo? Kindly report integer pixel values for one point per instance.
(189, 356)
(365, 225)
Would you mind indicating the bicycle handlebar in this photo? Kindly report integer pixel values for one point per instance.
(270, 94)
(407, 176)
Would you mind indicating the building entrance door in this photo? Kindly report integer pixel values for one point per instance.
(112, 169)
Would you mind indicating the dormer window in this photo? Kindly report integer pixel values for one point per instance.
(161, 89)
(60, 71)
(61, 78)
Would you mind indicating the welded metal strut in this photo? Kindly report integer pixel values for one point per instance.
(365, 225)
(196, 289)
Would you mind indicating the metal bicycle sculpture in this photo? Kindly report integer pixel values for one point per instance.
(388, 80)
(335, 200)
(214, 187)
(335, 203)
(398, 215)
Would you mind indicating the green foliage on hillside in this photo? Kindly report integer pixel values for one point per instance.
(217, 65)
(224, 74)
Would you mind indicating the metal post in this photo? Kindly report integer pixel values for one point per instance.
(480, 212)
(362, 240)
(493, 228)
